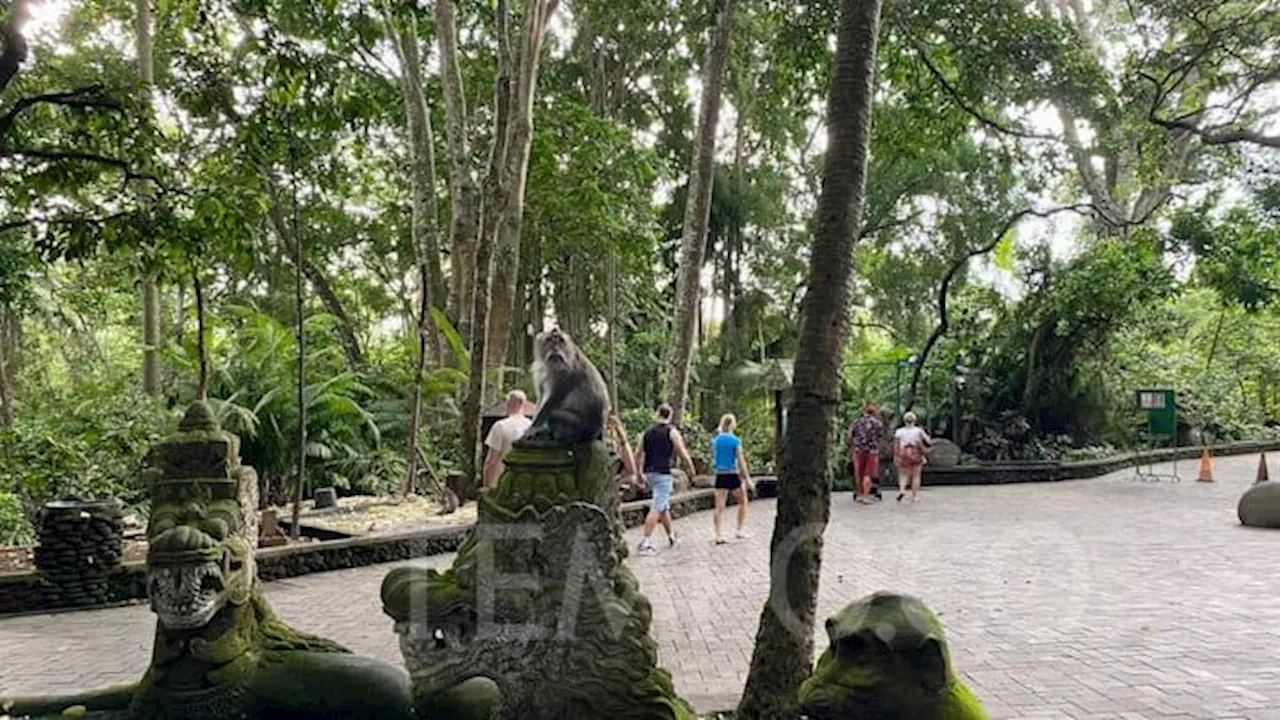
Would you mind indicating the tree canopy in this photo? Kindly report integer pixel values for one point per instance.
(1065, 200)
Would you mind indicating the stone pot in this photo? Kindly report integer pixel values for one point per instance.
(80, 543)
(326, 497)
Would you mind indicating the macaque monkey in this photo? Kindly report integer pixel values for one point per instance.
(573, 400)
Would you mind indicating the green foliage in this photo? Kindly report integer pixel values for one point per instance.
(274, 122)
(86, 444)
(253, 394)
(1237, 255)
(1043, 360)
(15, 529)
(1221, 359)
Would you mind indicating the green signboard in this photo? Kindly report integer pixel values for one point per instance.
(1162, 413)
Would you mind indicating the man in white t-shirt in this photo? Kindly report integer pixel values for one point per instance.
(503, 435)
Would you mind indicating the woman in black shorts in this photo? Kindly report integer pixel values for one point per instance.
(731, 475)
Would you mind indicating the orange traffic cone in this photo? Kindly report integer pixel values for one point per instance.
(1206, 466)
(1263, 476)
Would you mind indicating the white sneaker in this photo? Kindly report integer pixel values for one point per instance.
(742, 534)
(646, 550)
(672, 540)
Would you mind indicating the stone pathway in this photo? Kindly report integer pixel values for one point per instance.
(1088, 599)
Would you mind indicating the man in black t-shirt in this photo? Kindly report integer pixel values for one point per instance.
(659, 443)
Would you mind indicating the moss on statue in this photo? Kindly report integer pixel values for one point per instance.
(571, 641)
(887, 659)
(220, 652)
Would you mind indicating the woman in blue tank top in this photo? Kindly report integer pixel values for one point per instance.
(731, 475)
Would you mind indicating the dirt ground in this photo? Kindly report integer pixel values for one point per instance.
(367, 515)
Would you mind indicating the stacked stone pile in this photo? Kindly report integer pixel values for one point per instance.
(80, 544)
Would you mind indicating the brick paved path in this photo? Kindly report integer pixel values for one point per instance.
(1089, 599)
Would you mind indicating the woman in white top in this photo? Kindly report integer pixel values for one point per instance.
(909, 442)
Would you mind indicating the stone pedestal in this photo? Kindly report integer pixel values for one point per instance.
(538, 601)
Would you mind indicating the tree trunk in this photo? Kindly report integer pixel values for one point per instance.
(463, 193)
(202, 350)
(180, 315)
(1033, 354)
(333, 305)
(11, 344)
(150, 336)
(519, 316)
(420, 368)
(1116, 212)
(425, 222)
(493, 189)
(1213, 346)
(299, 262)
(613, 328)
(536, 307)
(6, 393)
(536, 15)
(784, 643)
(150, 293)
(426, 245)
(697, 213)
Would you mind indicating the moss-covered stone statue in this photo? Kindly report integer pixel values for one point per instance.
(538, 613)
(887, 659)
(220, 652)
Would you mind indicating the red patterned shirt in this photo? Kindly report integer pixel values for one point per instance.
(867, 434)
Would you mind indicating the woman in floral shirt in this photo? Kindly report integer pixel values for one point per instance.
(864, 442)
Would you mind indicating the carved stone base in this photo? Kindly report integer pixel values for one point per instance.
(538, 601)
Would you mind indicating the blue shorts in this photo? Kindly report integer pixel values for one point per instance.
(661, 484)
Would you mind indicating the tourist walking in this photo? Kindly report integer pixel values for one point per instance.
(732, 475)
(864, 445)
(660, 442)
(503, 435)
(909, 442)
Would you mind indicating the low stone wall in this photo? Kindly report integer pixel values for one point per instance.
(26, 591)
(999, 474)
(289, 561)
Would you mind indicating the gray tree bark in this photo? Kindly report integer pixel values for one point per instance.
(697, 213)
(784, 643)
(464, 196)
(426, 243)
(506, 264)
(493, 189)
(6, 392)
(151, 337)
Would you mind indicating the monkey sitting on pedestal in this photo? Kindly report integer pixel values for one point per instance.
(573, 400)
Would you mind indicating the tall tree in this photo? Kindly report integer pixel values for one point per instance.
(482, 279)
(6, 395)
(506, 251)
(464, 196)
(784, 643)
(426, 248)
(697, 212)
(299, 288)
(150, 291)
(499, 243)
